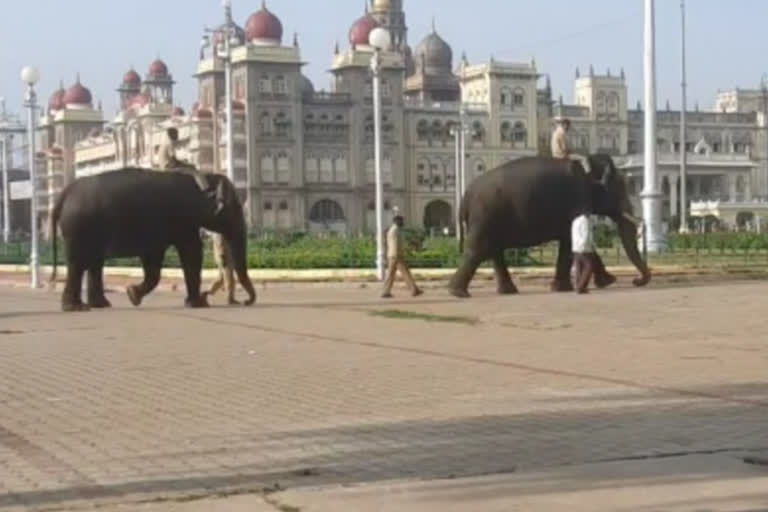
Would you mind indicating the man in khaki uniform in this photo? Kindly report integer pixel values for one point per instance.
(396, 260)
(560, 144)
(223, 260)
(169, 161)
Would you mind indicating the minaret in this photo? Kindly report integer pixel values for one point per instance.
(390, 14)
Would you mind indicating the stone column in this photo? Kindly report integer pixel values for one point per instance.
(731, 188)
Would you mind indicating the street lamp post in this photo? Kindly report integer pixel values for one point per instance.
(463, 156)
(651, 196)
(30, 76)
(764, 88)
(683, 138)
(6, 192)
(456, 132)
(379, 39)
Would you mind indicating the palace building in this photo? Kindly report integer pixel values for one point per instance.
(304, 158)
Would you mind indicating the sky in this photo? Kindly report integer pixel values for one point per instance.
(102, 39)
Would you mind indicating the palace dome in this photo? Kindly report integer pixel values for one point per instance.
(361, 30)
(158, 69)
(132, 78)
(434, 54)
(78, 95)
(56, 101)
(264, 26)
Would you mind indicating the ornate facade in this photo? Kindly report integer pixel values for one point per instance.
(304, 158)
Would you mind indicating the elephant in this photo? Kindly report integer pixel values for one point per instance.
(533, 200)
(136, 212)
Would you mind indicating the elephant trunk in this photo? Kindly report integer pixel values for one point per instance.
(628, 234)
(238, 248)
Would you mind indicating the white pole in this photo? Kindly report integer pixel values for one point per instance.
(6, 192)
(457, 178)
(376, 68)
(228, 93)
(463, 153)
(651, 197)
(683, 213)
(31, 104)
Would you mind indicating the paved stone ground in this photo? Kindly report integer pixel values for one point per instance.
(309, 389)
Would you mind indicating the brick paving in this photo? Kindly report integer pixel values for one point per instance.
(308, 388)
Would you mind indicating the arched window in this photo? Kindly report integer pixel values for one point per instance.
(520, 134)
(326, 211)
(422, 173)
(340, 168)
(519, 97)
(280, 84)
(506, 132)
(266, 123)
(268, 217)
(265, 84)
(267, 168)
(437, 130)
(505, 97)
(422, 130)
(600, 102)
(326, 169)
(438, 215)
(283, 167)
(281, 124)
(478, 132)
(312, 168)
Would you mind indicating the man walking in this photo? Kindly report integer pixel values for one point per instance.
(396, 260)
(583, 248)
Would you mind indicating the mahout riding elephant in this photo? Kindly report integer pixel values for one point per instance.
(533, 200)
(134, 212)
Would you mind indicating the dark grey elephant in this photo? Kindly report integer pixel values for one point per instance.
(135, 212)
(533, 200)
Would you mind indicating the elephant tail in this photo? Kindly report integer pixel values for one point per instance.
(54, 222)
(463, 223)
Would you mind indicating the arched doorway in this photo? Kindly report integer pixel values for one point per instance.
(438, 215)
(327, 215)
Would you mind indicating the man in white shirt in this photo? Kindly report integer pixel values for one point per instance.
(582, 245)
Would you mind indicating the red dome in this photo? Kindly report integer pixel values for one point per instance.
(77, 95)
(158, 69)
(178, 111)
(264, 25)
(131, 78)
(56, 101)
(361, 29)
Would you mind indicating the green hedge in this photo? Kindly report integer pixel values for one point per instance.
(300, 251)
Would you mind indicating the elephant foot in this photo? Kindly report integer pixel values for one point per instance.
(604, 280)
(459, 293)
(561, 286)
(641, 280)
(74, 307)
(197, 303)
(233, 302)
(507, 289)
(99, 303)
(134, 295)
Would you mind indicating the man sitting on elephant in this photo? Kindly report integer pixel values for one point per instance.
(560, 147)
(170, 161)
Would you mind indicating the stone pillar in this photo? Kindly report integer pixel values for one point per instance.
(731, 188)
(748, 188)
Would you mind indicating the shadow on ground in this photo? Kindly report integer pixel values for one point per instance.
(609, 430)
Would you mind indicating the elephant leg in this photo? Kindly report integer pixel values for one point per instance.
(71, 298)
(504, 284)
(191, 256)
(153, 265)
(562, 281)
(459, 284)
(603, 278)
(96, 297)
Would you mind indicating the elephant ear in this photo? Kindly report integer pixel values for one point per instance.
(225, 193)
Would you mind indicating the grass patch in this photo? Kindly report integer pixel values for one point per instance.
(428, 317)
